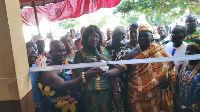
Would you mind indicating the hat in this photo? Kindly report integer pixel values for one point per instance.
(37, 38)
(134, 25)
(145, 27)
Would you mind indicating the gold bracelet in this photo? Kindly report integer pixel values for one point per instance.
(183, 107)
(197, 108)
(193, 107)
(83, 77)
(123, 65)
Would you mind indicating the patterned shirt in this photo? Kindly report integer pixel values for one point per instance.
(188, 86)
(145, 80)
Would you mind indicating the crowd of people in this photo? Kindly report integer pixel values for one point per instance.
(146, 87)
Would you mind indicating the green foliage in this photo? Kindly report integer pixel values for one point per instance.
(99, 23)
(69, 23)
(160, 20)
(158, 8)
(128, 19)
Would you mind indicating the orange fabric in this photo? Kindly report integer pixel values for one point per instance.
(145, 93)
(41, 61)
(79, 47)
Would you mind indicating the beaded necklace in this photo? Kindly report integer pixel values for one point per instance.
(192, 74)
(193, 36)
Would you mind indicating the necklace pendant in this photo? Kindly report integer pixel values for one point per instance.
(185, 80)
(98, 77)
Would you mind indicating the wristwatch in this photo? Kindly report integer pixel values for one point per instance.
(183, 107)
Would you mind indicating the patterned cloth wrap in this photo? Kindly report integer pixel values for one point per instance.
(117, 53)
(145, 94)
(163, 42)
(41, 61)
(96, 93)
(195, 35)
(189, 89)
(62, 101)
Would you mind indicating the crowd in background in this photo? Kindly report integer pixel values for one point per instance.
(146, 87)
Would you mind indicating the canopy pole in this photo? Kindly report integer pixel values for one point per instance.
(36, 17)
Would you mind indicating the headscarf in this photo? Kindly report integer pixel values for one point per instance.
(64, 37)
(37, 38)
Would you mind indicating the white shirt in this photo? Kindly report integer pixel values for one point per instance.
(180, 51)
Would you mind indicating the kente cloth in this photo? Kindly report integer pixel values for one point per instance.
(95, 85)
(70, 59)
(145, 82)
(97, 100)
(60, 101)
(41, 61)
(195, 35)
(189, 86)
(164, 41)
(117, 52)
(88, 56)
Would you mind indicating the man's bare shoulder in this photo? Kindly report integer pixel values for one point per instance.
(54, 72)
(47, 77)
(132, 54)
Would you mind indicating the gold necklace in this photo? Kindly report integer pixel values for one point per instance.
(192, 74)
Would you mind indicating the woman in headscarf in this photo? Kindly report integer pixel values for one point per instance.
(69, 47)
(187, 96)
(96, 95)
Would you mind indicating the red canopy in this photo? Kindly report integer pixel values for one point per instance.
(24, 3)
(65, 9)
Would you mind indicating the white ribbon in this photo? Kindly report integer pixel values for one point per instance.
(133, 61)
(69, 66)
(153, 60)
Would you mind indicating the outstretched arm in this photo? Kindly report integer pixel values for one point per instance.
(116, 96)
(120, 69)
(51, 78)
